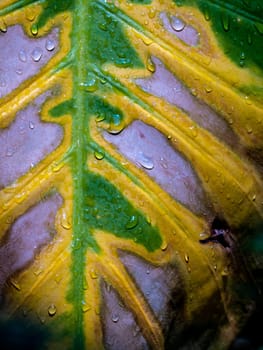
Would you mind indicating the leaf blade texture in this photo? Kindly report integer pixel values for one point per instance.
(130, 170)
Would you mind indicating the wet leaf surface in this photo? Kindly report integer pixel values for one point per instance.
(131, 195)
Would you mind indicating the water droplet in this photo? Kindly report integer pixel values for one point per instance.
(204, 235)
(225, 22)
(249, 129)
(15, 284)
(52, 310)
(186, 258)
(116, 124)
(242, 55)
(34, 29)
(147, 41)
(215, 267)
(177, 24)
(133, 221)
(152, 12)
(122, 62)
(65, 222)
(241, 63)
(3, 27)
(57, 166)
(115, 318)
(50, 45)
(22, 56)
(207, 14)
(100, 118)
(145, 161)
(98, 155)
(9, 152)
(36, 54)
(208, 89)
(38, 271)
(85, 307)
(248, 101)
(93, 274)
(31, 125)
(19, 72)
(194, 131)
(85, 284)
(91, 84)
(164, 246)
(30, 14)
(150, 65)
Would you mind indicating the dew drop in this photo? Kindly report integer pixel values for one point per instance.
(85, 307)
(65, 223)
(50, 45)
(3, 27)
(147, 41)
(164, 246)
(115, 318)
(22, 56)
(186, 258)
(52, 310)
(208, 89)
(123, 62)
(31, 125)
(15, 284)
(100, 118)
(116, 124)
(57, 166)
(241, 63)
(194, 131)
(30, 14)
(91, 84)
(36, 54)
(98, 155)
(9, 152)
(150, 65)
(152, 12)
(225, 22)
(34, 29)
(207, 14)
(133, 221)
(242, 55)
(19, 72)
(85, 284)
(249, 130)
(145, 161)
(93, 274)
(177, 24)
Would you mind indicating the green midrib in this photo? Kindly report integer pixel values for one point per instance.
(79, 43)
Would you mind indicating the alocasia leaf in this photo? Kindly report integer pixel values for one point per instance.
(130, 172)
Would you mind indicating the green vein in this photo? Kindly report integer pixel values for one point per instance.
(79, 43)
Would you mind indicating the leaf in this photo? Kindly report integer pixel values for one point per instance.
(131, 172)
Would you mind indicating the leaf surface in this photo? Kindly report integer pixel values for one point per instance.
(130, 169)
